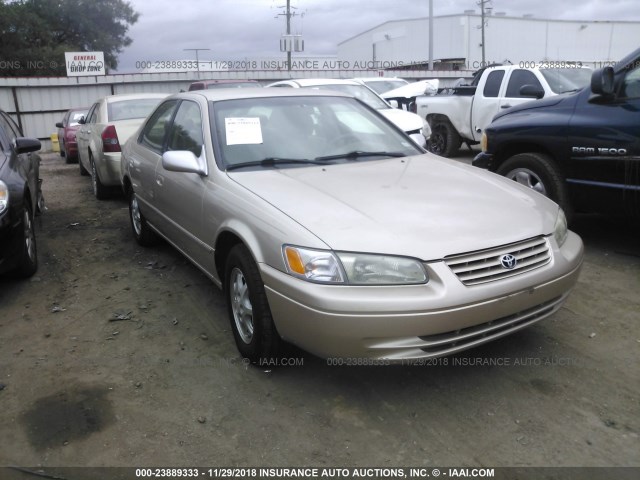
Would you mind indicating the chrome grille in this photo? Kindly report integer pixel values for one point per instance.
(485, 266)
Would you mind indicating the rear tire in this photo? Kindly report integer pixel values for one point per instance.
(539, 172)
(28, 263)
(445, 140)
(249, 313)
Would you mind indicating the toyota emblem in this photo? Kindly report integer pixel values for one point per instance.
(508, 261)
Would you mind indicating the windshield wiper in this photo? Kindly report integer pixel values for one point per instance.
(273, 161)
(359, 153)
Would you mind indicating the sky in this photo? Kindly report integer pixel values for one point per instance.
(251, 29)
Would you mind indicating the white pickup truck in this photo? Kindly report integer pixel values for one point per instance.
(461, 113)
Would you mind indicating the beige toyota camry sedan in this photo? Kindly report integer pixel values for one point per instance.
(328, 228)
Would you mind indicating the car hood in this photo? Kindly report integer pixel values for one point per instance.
(406, 121)
(424, 206)
(542, 103)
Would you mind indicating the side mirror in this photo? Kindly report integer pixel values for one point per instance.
(183, 161)
(602, 81)
(82, 121)
(59, 125)
(26, 145)
(531, 91)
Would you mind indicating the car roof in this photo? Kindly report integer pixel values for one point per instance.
(318, 82)
(213, 82)
(133, 96)
(240, 93)
(379, 79)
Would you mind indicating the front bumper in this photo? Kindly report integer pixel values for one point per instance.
(483, 160)
(420, 321)
(11, 246)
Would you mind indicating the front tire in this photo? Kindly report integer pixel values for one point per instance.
(141, 230)
(28, 263)
(445, 140)
(538, 172)
(249, 313)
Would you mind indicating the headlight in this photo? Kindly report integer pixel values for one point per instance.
(366, 269)
(353, 268)
(560, 231)
(313, 265)
(484, 142)
(4, 197)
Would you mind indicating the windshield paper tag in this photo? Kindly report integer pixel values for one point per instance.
(243, 130)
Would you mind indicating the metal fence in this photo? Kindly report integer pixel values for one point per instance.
(37, 103)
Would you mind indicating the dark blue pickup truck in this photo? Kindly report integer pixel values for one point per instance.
(581, 149)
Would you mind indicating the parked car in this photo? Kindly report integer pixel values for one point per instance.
(408, 122)
(67, 133)
(327, 227)
(460, 115)
(207, 84)
(107, 126)
(20, 198)
(381, 85)
(580, 149)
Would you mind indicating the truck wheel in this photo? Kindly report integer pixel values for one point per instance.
(445, 140)
(249, 313)
(539, 172)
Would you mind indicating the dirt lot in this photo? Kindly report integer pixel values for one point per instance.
(115, 355)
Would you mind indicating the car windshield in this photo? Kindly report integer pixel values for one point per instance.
(129, 109)
(359, 91)
(562, 80)
(382, 86)
(301, 131)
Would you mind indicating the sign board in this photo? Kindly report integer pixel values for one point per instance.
(83, 64)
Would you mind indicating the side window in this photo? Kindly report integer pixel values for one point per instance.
(492, 86)
(13, 130)
(93, 117)
(90, 113)
(152, 135)
(518, 79)
(186, 131)
(631, 84)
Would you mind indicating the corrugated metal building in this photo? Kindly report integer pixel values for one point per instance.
(458, 41)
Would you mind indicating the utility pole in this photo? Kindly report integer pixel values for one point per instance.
(288, 15)
(197, 60)
(430, 34)
(484, 9)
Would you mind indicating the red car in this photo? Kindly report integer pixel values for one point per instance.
(67, 133)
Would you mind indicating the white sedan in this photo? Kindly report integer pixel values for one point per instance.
(107, 126)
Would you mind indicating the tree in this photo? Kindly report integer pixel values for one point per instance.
(34, 34)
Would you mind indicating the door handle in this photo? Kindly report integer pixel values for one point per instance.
(505, 106)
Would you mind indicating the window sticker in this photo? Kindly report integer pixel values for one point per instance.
(243, 130)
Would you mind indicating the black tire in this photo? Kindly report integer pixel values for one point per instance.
(139, 226)
(249, 313)
(445, 140)
(28, 263)
(83, 171)
(539, 172)
(62, 152)
(99, 190)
